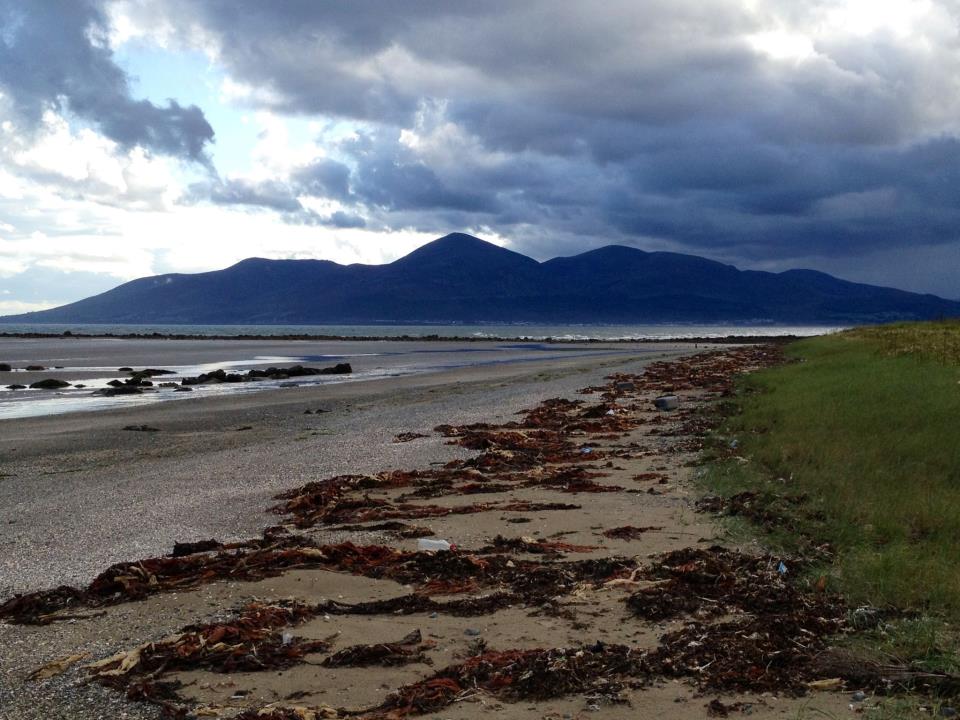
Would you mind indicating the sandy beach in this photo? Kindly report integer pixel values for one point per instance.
(79, 493)
(79, 481)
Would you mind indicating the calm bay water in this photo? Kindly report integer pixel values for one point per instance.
(520, 331)
(90, 363)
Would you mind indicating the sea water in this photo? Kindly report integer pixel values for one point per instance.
(484, 331)
(91, 354)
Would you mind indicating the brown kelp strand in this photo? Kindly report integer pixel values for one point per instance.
(341, 509)
(628, 532)
(124, 582)
(420, 603)
(250, 643)
(393, 527)
(530, 545)
(402, 652)
(517, 675)
(133, 581)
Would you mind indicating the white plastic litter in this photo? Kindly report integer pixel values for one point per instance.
(431, 544)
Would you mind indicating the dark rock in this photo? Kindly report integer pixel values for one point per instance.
(141, 428)
(125, 369)
(121, 390)
(667, 402)
(34, 368)
(16, 387)
(4, 367)
(182, 549)
(79, 387)
(338, 369)
(151, 372)
(181, 388)
(273, 373)
(49, 384)
(115, 383)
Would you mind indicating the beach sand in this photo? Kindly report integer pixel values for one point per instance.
(78, 493)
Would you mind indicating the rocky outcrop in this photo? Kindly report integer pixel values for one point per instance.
(272, 373)
(49, 384)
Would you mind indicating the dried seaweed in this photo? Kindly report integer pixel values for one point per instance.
(628, 532)
(501, 544)
(405, 437)
(249, 643)
(408, 650)
(392, 527)
(770, 653)
(518, 675)
(714, 581)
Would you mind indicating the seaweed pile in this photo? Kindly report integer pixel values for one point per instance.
(249, 643)
(774, 641)
(518, 675)
(431, 573)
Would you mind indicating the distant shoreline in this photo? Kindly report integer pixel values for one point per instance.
(725, 340)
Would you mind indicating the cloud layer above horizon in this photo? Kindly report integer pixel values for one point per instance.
(148, 136)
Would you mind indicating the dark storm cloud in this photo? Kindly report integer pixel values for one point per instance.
(268, 194)
(391, 177)
(656, 123)
(53, 55)
(324, 178)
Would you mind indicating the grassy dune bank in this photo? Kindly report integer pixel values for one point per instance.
(853, 451)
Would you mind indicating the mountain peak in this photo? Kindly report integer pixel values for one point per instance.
(462, 248)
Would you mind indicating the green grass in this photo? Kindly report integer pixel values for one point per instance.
(874, 442)
(866, 428)
(939, 341)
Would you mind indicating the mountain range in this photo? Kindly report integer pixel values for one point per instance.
(460, 278)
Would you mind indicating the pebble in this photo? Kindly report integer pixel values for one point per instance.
(472, 632)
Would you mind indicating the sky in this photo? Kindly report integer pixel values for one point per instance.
(140, 137)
